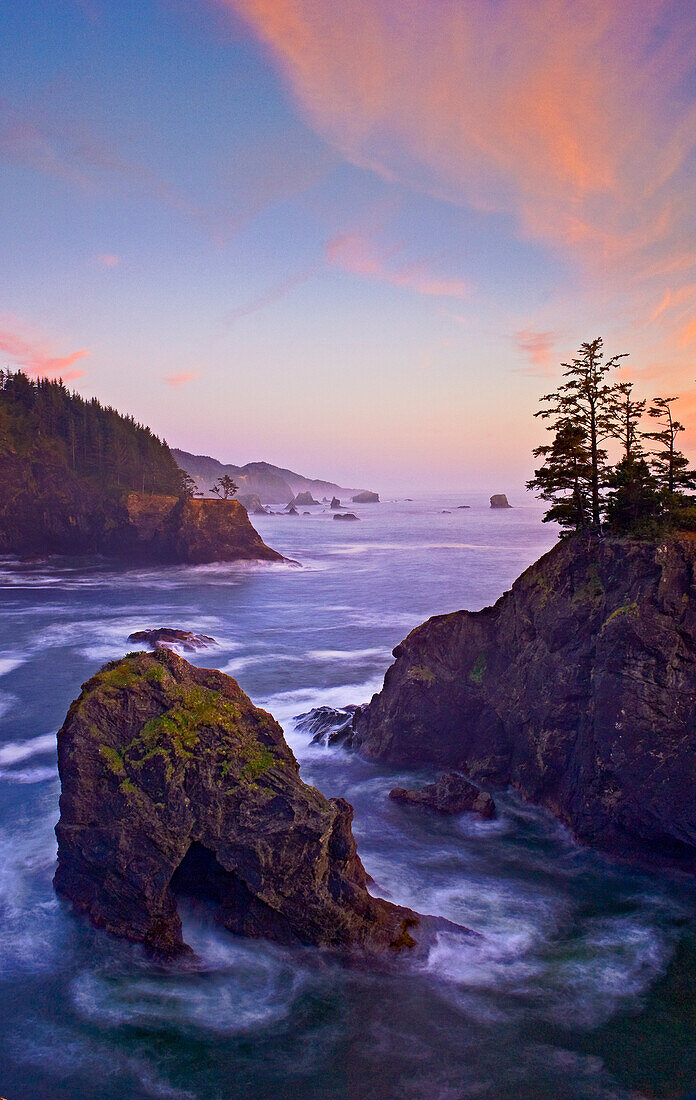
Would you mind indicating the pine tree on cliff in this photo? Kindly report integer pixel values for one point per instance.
(670, 466)
(565, 478)
(583, 415)
(633, 505)
(225, 487)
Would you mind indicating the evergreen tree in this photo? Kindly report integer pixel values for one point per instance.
(565, 479)
(585, 403)
(670, 466)
(634, 502)
(225, 487)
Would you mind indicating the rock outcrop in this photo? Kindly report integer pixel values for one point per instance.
(451, 794)
(327, 725)
(345, 515)
(578, 688)
(335, 503)
(252, 503)
(168, 636)
(499, 500)
(304, 500)
(173, 783)
(366, 497)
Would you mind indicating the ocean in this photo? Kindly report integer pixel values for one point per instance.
(581, 983)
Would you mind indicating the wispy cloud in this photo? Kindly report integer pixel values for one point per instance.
(574, 118)
(358, 254)
(35, 355)
(273, 295)
(181, 379)
(537, 346)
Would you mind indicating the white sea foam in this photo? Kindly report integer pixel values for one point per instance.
(14, 751)
(8, 664)
(379, 652)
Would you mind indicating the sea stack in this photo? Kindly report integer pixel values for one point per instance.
(578, 688)
(499, 500)
(174, 783)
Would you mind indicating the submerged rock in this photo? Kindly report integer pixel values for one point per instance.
(451, 794)
(328, 725)
(173, 782)
(365, 497)
(345, 515)
(167, 635)
(499, 500)
(578, 688)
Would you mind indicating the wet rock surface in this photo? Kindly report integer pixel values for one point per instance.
(167, 635)
(327, 725)
(451, 794)
(578, 688)
(174, 783)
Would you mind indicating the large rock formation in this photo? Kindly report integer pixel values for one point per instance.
(366, 497)
(499, 500)
(578, 688)
(174, 783)
(160, 528)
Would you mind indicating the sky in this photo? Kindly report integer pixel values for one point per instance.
(356, 238)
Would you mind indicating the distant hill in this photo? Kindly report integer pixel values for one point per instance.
(273, 484)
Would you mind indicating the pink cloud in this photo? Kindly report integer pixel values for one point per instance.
(569, 116)
(108, 259)
(34, 356)
(356, 253)
(537, 346)
(180, 379)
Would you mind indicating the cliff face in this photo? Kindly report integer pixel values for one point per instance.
(174, 783)
(578, 688)
(44, 510)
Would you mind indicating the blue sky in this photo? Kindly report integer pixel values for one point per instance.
(355, 239)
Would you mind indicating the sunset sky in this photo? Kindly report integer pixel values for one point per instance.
(352, 237)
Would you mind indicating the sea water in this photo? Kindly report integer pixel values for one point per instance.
(580, 983)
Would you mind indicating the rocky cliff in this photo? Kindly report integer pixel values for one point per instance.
(578, 688)
(63, 515)
(173, 783)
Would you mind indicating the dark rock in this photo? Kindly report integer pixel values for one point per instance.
(365, 497)
(499, 500)
(345, 515)
(578, 688)
(335, 502)
(445, 512)
(166, 635)
(328, 725)
(452, 794)
(291, 511)
(174, 783)
(463, 506)
(302, 500)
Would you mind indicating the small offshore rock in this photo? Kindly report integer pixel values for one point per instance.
(345, 515)
(167, 636)
(499, 500)
(328, 725)
(366, 497)
(451, 794)
(335, 503)
(302, 500)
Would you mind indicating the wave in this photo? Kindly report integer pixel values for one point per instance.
(14, 751)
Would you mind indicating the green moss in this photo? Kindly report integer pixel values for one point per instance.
(421, 674)
(258, 760)
(155, 674)
(114, 760)
(592, 591)
(127, 787)
(625, 609)
(478, 669)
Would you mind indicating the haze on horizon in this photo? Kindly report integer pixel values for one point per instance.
(353, 239)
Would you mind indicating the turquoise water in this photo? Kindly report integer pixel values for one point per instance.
(580, 984)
